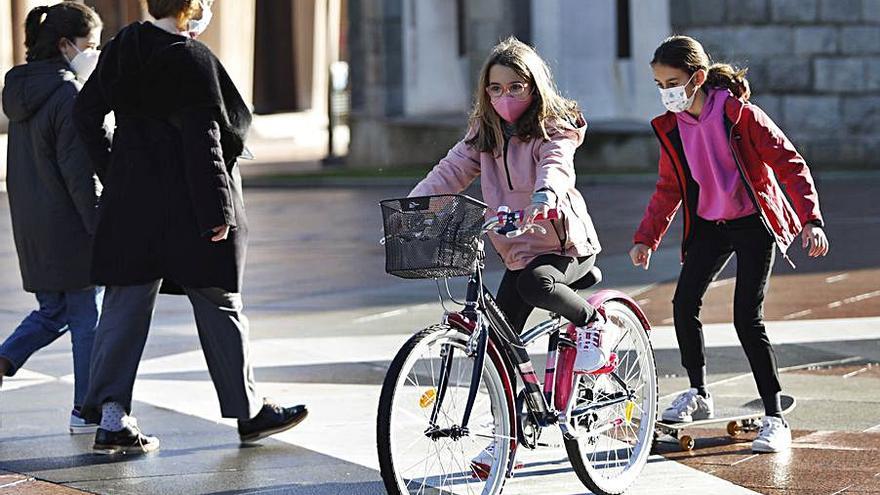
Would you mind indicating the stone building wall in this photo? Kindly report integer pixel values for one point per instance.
(814, 67)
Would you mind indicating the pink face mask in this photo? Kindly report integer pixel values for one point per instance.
(509, 108)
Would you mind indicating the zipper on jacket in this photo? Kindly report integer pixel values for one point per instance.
(685, 235)
(504, 158)
(561, 242)
(751, 190)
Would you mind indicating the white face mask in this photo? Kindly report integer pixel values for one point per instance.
(84, 63)
(676, 99)
(195, 28)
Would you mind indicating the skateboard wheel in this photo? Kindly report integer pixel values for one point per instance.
(733, 428)
(686, 442)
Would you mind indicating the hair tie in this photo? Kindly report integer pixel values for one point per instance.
(43, 10)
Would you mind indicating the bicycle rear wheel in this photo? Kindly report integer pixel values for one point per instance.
(614, 442)
(410, 461)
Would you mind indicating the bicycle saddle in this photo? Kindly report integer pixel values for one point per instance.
(593, 277)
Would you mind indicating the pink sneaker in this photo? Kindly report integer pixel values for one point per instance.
(595, 343)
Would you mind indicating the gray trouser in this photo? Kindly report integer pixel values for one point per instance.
(122, 334)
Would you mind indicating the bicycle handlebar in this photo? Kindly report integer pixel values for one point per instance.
(506, 218)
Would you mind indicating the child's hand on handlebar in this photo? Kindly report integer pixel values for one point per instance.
(534, 211)
(641, 255)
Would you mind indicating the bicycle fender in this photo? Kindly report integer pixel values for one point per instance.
(601, 297)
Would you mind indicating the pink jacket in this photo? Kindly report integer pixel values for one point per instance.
(511, 177)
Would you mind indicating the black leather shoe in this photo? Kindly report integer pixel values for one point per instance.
(129, 440)
(271, 419)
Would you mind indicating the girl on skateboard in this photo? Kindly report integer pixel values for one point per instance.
(723, 158)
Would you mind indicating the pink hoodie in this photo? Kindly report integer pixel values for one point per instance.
(512, 179)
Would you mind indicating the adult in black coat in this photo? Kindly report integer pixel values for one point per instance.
(171, 208)
(53, 190)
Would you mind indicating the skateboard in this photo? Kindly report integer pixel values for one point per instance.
(746, 417)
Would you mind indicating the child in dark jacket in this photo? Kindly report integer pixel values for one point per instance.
(53, 191)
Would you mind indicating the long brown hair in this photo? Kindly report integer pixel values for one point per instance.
(46, 25)
(547, 104)
(687, 54)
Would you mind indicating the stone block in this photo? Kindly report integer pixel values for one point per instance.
(810, 40)
(771, 105)
(812, 114)
(871, 11)
(747, 11)
(861, 114)
(788, 74)
(840, 74)
(857, 40)
(794, 11)
(744, 44)
(844, 11)
(764, 41)
(757, 76)
(680, 13)
(706, 12)
(837, 153)
(872, 73)
(716, 41)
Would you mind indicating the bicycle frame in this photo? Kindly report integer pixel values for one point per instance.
(490, 324)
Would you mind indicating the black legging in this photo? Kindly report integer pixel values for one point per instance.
(712, 247)
(544, 283)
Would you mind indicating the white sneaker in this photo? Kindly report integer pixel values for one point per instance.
(78, 425)
(774, 436)
(689, 406)
(481, 465)
(594, 345)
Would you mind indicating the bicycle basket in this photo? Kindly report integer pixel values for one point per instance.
(432, 236)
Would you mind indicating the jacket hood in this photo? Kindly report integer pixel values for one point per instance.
(124, 66)
(576, 128)
(28, 87)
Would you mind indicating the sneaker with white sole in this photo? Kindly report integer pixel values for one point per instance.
(595, 341)
(774, 436)
(689, 406)
(79, 425)
(481, 465)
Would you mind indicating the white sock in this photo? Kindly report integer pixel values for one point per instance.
(113, 416)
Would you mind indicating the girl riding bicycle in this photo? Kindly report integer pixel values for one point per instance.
(521, 141)
(722, 156)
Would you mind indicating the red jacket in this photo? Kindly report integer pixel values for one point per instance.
(763, 155)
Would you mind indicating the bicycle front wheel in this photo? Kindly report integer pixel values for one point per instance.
(614, 442)
(414, 462)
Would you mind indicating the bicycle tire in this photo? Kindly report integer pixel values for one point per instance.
(501, 401)
(599, 482)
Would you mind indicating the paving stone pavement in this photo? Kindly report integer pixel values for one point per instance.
(326, 322)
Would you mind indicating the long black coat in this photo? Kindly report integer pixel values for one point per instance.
(50, 181)
(171, 174)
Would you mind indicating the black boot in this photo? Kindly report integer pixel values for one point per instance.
(271, 419)
(129, 440)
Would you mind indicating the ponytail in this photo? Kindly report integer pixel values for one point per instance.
(45, 26)
(729, 77)
(32, 25)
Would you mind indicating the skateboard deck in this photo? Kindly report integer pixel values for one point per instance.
(745, 417)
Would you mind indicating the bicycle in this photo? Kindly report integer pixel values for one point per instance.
(452, 386)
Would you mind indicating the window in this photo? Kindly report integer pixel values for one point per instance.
(624, 42)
